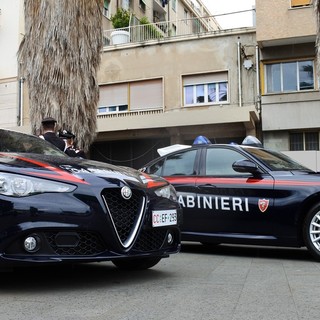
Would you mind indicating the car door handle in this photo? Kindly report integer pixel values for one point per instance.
(208, 185)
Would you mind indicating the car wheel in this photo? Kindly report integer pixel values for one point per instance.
(136, 264)
(311, 231)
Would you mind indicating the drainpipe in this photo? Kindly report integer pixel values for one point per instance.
(20, 106)
(239, 76)
(258, 79)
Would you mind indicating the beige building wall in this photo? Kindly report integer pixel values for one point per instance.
(171, 61)
(11, 29)
(280, 23)
(286, 34)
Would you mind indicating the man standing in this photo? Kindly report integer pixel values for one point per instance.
(70, 149)
(49, 133)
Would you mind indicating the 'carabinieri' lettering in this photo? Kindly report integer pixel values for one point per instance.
(214, 203)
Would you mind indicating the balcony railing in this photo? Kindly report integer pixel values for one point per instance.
(163, 30)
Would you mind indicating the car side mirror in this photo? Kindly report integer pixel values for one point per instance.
(244, 165)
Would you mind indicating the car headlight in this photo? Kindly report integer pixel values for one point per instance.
(21, 186)
(168, 192)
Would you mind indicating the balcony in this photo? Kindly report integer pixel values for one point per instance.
(164, 30)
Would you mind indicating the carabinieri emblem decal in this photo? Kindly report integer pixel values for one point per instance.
(263, 204)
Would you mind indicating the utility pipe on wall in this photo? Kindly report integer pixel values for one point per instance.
(258, 79)
(20, 107)
(239, 75)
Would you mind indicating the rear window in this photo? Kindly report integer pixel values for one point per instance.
(181, 164)
(276, 161)
(17, 142)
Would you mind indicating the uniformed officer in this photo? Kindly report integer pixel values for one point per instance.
(70, 149)
(49, 133)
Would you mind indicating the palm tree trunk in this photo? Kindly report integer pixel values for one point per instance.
(59, 57)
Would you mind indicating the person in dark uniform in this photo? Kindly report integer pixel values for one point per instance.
(49, 133)
(70, 149)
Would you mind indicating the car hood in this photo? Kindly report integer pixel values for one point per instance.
(72, 170)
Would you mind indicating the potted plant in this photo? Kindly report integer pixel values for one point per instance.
(120, 22)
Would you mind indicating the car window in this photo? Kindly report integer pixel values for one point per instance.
(219, 161)
(156, 168)
(180, 163)
(276, 161)
(177, 164)
(11, 141)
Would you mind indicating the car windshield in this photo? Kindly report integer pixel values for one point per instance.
(276, 161)
(17, 142)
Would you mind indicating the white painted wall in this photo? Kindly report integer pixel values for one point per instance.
(10, 37)
(11, 33)
(310, 159)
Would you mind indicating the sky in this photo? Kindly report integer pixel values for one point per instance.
(226, 6)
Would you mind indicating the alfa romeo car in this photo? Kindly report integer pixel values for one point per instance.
(56, 209)
(242, 194)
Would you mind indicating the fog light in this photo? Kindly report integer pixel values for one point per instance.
(170, 238)
(31, 243)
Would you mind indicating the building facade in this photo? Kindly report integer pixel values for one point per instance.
(191, 79)
(290, 101)
(177, 77)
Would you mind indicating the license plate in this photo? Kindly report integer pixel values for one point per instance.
(162, 218)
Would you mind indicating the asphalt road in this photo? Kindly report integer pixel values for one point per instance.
(228, 282)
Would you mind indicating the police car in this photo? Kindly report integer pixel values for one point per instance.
(242, 194)
(56, 209)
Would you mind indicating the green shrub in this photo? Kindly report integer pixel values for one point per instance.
(121, 19)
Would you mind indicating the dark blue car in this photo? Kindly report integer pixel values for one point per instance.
(57, 209)
(243, 194)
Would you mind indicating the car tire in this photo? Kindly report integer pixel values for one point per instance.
(136, 264)
(311, 231)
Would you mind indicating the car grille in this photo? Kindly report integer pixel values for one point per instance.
(150, 240)
(87, 244)
(126, 215)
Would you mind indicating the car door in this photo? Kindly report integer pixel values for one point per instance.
(229, 203)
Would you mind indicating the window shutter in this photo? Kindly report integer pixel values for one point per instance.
(298, 3)
(205, 78)
(114, 95)
(146, 95)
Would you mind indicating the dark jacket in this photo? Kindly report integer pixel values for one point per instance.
(55, 140)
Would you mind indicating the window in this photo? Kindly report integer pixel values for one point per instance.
(300, 141)
(300, 3)
(133, 96)
(177, 164)
(289, 76)
(205, 89)
(174, 5)
(120, 108)
(186, 15)
(146, 95)
(174, 30)
(219, 161)
(142, 5)
(125, 4)
(106, 11)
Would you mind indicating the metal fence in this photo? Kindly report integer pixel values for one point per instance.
(159, 30)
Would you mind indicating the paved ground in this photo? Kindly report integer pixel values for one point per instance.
(229, 282)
